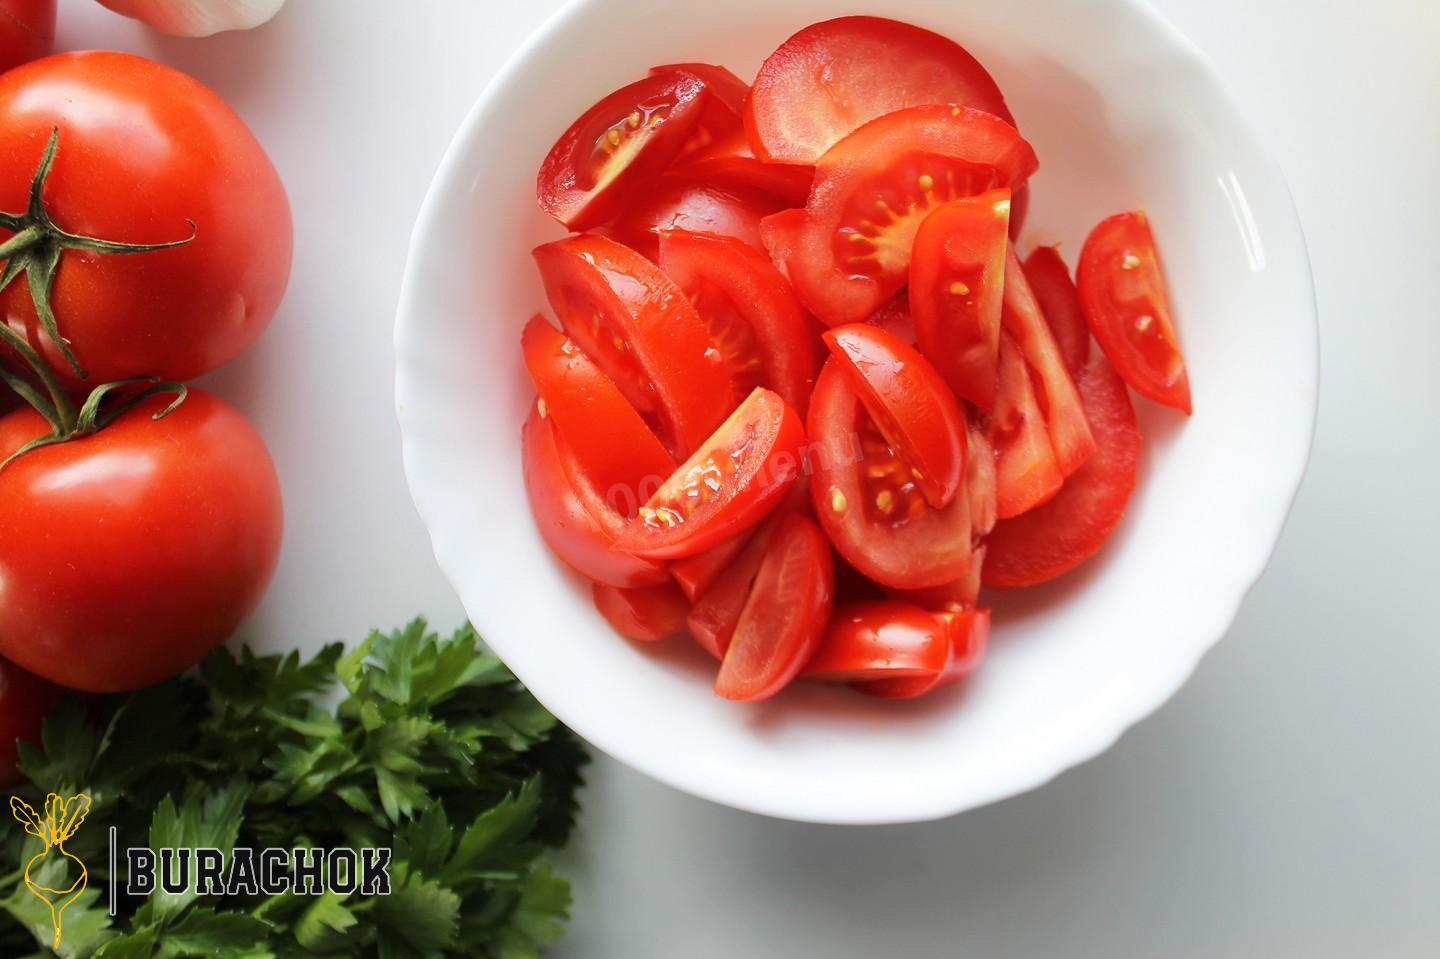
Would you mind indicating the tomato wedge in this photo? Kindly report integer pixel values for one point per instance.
(851, 252)
(678, 202)
(617, 146)
(879, 640)
(834, 76)
(894, 318)
(910, 405)
(957, 283)
(1070, 435)
(1123, 292)
(723, 107)
(1060, 535)
(968, 632)
(1060, 303)
(614, 446)
(980, 483)
(867, 501)
(1026, 472)
(646, 614)
(573, 518)
(641, 330)
(719, 604)
(737, 476)
(951, 597)
(729, 161)
(695, 574)
(763, 333)
(784, 615)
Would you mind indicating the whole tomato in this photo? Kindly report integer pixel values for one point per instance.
(25, 701)
(142, 155)
(27, 30)
(127, 555)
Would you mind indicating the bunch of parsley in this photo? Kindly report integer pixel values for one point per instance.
(434, 750)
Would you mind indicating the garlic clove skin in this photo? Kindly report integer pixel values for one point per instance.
(197, 18)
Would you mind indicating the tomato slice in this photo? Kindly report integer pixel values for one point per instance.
(914, 411)
(763, 333)
(1060, 303)
(1070, 435)
(573, 518)
(678, 202)
(1060, 535)
(952, 597)
(1123, 292)
(872, 190)
(894, 318)
(834, 76)
(695, 574)
(980, 484)
(784, 615)
(644, 613)
(737, 476)
(641, 330)
(717, 609)
(617, 147)
(609, 439)
(721, 116)
(879, 640)
(867, 501)
(729, 161)
(968, 632)
(1019, 210)
(1026, 472)
(957, 281)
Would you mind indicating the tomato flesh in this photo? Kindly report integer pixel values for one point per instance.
(737, 476)
(951, 597)
(968, 633)
(646, 614)
(642, 331)
(851, 252)
(717, 610)
(720, 117)
(957, 281)
(698, 206)
(763, 333)
(879, 640)
(909, 404)
(784, 615)
(1059, 301)
(832, 77)
(729, 161)
(1060, 535)
(1026, 472)
(1123, 292)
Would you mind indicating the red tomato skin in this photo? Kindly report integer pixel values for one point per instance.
(910, 403)
(569, 516)
(25, 701)
(183, 157)
(27, 31)
(1055, 538)
(878, 640)
(697, 206)
(1121, 285)
(715, 613)
(1026, 472)
(880, 65)
(1060, 303)
(784, 616)
(646, 614)
(129, 555)
(968, 632)
(729, 161)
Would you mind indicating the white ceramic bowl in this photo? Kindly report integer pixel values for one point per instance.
(1123, 113)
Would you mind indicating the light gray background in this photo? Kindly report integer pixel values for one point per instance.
(1284, 804)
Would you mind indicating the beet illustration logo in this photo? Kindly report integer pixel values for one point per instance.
(62, 818)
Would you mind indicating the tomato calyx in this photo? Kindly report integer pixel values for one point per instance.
(96, 414)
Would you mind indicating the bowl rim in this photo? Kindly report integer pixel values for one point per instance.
(1105, 731)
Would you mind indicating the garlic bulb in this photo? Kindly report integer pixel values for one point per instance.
(197, 18)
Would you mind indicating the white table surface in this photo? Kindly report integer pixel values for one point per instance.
(1283, 804)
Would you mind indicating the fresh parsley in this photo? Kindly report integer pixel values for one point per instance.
(434, 750)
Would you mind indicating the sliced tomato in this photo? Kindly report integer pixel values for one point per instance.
(1060, 535)
(695, 574)
(914, 411)
(1123, 291)
(763, 333)
(612, 443)
(737, 476)
(951, 597)
(784, 615)
(980, 483)
(873, 189)
(894, 318)
(957, 283)
(573, 518)
(866, 498)
(879, 640)
(644, 613)
(780, 236)
(968, 632)
(717, 610)
(729, 161)
(1026, 473)
(1019, 210)
(641, 330)
(724, 104)
(680, 203)
(617, 147)
(1070, 435)
(1060, 303)
(834, 76)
